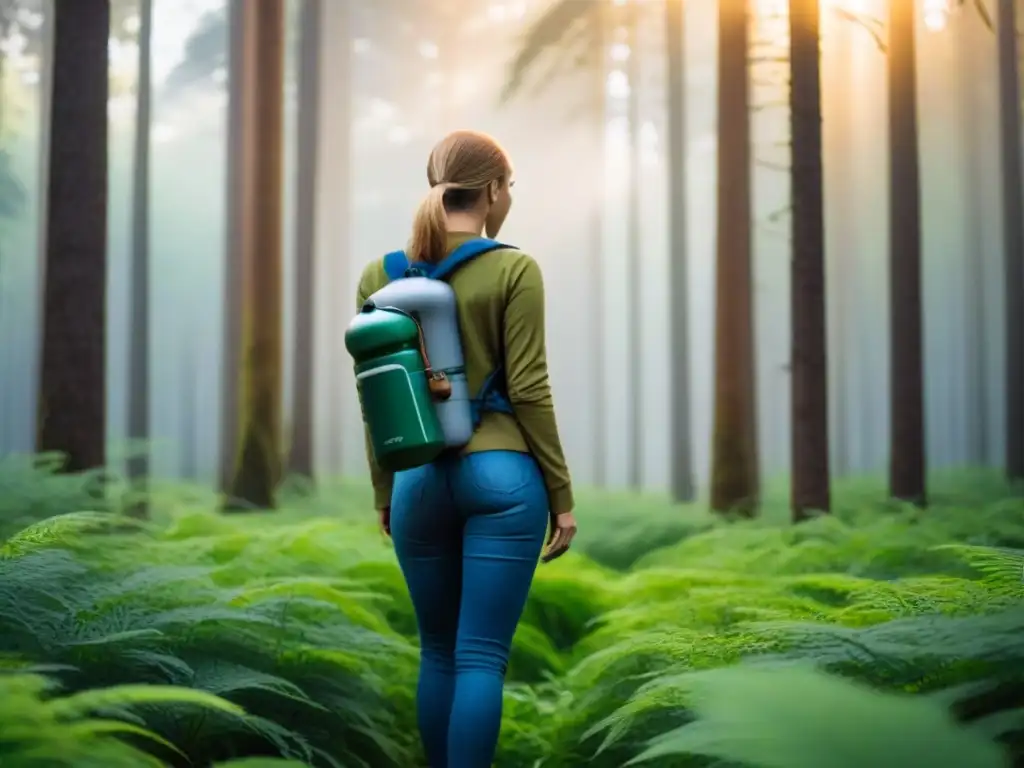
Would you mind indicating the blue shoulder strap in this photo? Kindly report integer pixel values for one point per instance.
(397, 263)
(466, 252)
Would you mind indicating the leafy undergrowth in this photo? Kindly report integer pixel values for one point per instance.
(880, 636)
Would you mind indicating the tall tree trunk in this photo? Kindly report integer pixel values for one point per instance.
(336, 102)
(681, 467)
(138, 353)
(735, 474)
(258, 470)
(634, 256)
(596, 267)
(301, 454)
(240, 77)
(907, 445)
(809, 363)
(188, 445)
(72, 401)
(843, 274)
(976, 354)
(1013, 235)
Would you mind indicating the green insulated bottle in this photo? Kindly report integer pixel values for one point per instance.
(394, 392)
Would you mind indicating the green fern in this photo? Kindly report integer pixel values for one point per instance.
(1002, 568)
(301, 619)
(797, 718)
(39, 729)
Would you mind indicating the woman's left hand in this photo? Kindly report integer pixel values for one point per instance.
(384, 518)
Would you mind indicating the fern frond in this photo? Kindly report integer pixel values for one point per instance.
(60, 530)
(39, 730)
(1002, 568)
(802, 719)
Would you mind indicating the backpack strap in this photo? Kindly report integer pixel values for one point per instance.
(491, 397)
(397, 264)
(466, 252)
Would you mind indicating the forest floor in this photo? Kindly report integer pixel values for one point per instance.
(287, 638)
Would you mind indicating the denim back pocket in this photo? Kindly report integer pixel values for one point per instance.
(505, 473)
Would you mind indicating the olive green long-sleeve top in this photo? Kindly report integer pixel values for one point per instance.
(500, 301)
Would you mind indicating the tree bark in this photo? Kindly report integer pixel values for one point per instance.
(1013, 235)
(907, 444)
(809, 363)
(596, 268)
(138, 353)
(240, 152)
(976, 353)
(336, 155)
(681, 469)
(258, 470)
(634, 256)
(72, 401)
(735, 474)
(301, 453)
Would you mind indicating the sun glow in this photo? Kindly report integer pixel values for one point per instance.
(935, 14)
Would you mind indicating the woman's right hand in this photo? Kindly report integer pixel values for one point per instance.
(563, 529)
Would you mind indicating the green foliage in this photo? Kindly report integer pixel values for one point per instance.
(287, 638)
(41, 729)
(800, 718)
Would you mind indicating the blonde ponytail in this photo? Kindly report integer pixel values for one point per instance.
(429, 241)
(466, 161)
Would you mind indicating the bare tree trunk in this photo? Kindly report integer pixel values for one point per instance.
(261, 139)
(72, 402)
(240, 152)
(335, 199)
(907, 446)
(843, 275)
(301, 454)
(809, 363)
(735, 474)
(596, 269)
(138, 353)
(1013, 235)
(188, 446)
(975, 351)
(634, 257)
(681, 468)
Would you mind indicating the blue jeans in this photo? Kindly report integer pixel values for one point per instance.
(468, 531)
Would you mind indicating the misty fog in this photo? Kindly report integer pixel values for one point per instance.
(394, 83)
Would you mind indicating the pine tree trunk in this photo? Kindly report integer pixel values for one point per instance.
(301, 453)
(809, 364)
(976, 353)
(138, 388)
(907, 445)
(188, 464)
(240, 75)
(336, 155)
(1013, 235)
(735, 474)
(72, 398)
(634, 257)
(259, 462)
(681, 468)
(596, 268)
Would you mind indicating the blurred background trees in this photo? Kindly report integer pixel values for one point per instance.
(701, 368)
